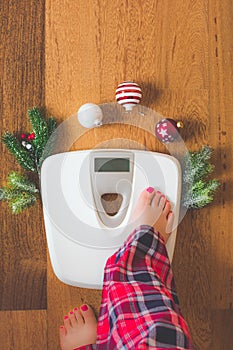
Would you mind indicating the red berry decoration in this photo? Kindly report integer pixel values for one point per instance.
(167, 130)
(23, 136)
(128, 94)
(31, 136)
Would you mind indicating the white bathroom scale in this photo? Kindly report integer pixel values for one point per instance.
(81, 236)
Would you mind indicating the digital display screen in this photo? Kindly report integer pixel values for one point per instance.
(112, 165)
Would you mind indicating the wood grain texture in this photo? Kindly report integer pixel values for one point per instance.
(221, 136)
(23, 330)
(62, 299)
(92, 46)
(181, 54)
(23, 247)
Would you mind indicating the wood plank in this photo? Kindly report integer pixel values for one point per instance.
(23, 248)
(62, 299)
(23, 330)
(104, 43)
(191, 266)
(185, 70)
(221, 59)
(222, 329)
(91, 46)
(221, 135)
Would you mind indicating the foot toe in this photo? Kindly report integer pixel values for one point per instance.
(147, 196)
(73, 319)
(167, 208)
(170, 221)
(156, 199)
(67, 323)
(62, 332)
(78, 316)
(88, 314)
(162, 202)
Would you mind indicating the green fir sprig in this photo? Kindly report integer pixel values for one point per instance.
(43, 128)
(21, 182)
(25, 159)
(20, 192)
(198, 191)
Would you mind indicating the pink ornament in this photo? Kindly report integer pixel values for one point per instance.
(167, 130)
(128, 94)
(23, 136)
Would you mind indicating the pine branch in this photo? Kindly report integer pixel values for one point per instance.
(52, 124)
(197, 191)
(6, 194)
(40, 128)
(20, 182)
(19, 152)
(43, 128)
(22, 202)
(20, 193)
(50, 143)
(197, 165)
(200, 194)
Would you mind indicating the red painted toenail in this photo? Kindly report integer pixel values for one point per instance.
(150, 189)
(163, 196)
(158, 192)
(75, 309)
(84, 307)
(65, 318)
(71, 312)
(62, 327)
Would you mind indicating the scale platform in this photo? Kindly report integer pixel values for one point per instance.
(81, 236)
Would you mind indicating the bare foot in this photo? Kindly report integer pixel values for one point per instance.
(79, 329)
(154, 209)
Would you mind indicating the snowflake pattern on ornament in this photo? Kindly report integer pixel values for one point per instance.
(163, 132)
(166, 130)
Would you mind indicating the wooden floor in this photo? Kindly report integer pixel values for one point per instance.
(61, 54)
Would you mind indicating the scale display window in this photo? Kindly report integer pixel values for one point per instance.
(112, 165)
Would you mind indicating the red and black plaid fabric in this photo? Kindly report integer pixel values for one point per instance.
(140, 308)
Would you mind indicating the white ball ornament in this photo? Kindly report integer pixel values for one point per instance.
(90, 115)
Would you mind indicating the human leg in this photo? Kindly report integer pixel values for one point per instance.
(140, 308)
(139, 303)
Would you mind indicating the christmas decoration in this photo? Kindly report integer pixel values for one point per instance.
(33, 142)
(90, 115)
(31, 136)
(167, 130)
(20, 192)
(128, 94)
(28, 150)
(197, 190)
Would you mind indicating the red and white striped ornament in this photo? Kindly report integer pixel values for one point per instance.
(128, 94)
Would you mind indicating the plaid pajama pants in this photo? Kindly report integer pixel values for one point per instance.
(140, 308)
